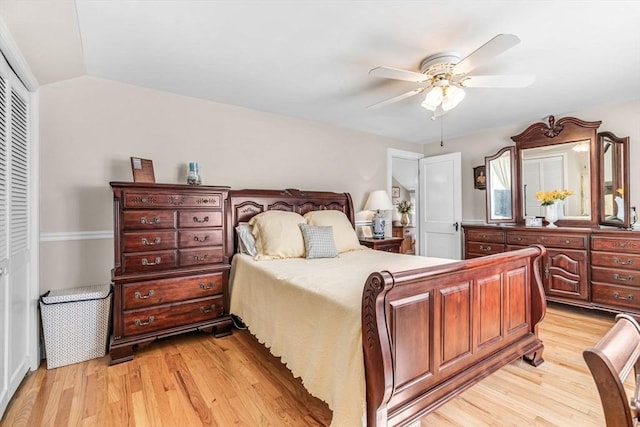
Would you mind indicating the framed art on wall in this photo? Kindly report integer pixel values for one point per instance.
(395, 192)
(479, 177)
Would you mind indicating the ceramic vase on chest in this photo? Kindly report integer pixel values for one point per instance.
(551, 214)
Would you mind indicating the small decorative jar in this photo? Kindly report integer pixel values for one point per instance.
(193, 178)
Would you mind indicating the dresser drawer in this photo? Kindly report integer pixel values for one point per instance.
(162, 200)
(145, 220)
(163, 291)
(616, 276)
(485, 248)
(615, 244)
(140, 262)
(496, 236)
(149, 240)
(172, 315)
(196, 238)
(551, 240)
(617, 296)
(616, 260)
(191, 219)
(200, 256)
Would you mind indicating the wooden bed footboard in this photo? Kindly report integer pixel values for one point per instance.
(431, 333)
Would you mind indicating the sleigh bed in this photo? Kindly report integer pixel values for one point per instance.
(384, 338)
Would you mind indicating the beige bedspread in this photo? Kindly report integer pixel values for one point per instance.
(308, 313)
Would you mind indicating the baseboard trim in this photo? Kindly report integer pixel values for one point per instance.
(76, 235)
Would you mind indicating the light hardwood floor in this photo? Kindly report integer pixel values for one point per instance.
(196, 379)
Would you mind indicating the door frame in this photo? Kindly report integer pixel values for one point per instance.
(16, 60)
(408, 155)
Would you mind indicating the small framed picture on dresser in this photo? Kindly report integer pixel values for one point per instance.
(142, 170)
(365, 232)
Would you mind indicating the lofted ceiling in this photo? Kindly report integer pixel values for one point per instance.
(310, 59)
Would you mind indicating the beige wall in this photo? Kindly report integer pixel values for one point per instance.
(90, 127)
(621, 119)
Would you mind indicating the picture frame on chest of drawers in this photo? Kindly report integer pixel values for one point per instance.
(171, 267)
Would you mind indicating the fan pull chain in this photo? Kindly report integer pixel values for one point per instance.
(441, 130)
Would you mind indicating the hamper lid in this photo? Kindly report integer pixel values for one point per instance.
(84, 293)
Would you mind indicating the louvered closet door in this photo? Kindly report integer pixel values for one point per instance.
(14, 233)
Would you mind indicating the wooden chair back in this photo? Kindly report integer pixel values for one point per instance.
(610, 363)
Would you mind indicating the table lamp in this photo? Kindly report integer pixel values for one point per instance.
(378, 201)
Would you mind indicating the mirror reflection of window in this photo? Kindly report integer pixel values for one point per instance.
(501, 187)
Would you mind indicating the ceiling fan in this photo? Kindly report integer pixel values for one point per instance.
(444, 76)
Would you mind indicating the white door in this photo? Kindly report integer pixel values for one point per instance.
(15, 321)
(441, 206)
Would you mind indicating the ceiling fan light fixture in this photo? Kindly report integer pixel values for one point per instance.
(433, 98)
(453, 96)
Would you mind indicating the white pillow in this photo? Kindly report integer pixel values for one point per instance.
(343, 233)
(318, 241)
(277, 235)
(246, 241)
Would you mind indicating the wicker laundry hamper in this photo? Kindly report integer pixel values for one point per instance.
(75, 323)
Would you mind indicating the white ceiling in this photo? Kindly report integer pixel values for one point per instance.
(310, 59)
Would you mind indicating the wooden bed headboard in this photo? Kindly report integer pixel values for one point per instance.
(244, 204)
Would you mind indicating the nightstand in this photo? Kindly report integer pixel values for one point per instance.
(408, 233)
(388, 244)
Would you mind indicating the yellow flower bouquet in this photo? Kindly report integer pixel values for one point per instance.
(547, 198)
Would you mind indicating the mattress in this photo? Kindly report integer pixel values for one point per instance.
(308, 312)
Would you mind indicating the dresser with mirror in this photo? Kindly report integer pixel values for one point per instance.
(593, 255)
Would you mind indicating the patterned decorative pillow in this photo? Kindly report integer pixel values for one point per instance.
(318, 241)
(344, 235)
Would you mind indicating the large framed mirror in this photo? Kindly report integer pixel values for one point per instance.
(558, 156)
(501, 188)
(613, 196)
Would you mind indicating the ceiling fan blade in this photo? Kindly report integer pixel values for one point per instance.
(398, 74)
(518, 81)
(493, 47)
(397, 98)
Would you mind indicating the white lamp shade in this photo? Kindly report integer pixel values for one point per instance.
(378, 200)
(433, 99)
(452, 97)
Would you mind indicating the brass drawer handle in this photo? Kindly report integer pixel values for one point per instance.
(139, 322)
(205, 286)
(623, 278)
(198, 258)
(200, 239)
(627, 262)
(622, 244)
(144, 220)
(198, 220)
(483, 248)
(208, 309)
(149, 294)
(155, 262)
(148, 243)
(629, 297)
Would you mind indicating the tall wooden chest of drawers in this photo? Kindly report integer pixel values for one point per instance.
(171, 265)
